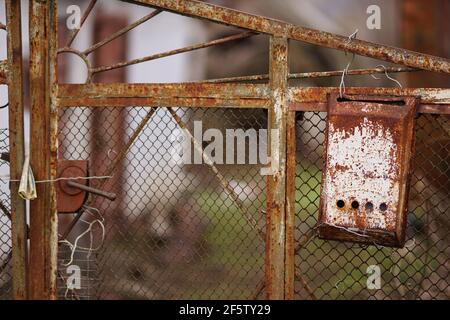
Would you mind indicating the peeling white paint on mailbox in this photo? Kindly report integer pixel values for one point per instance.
(366, 175)
(365, 159)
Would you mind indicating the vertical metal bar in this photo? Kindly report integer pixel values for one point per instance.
(52, 214)
(290, 206)
(16, 138)
(43, 216)
(276, 185)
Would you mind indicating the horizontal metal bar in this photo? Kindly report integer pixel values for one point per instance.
(260, 24)
(163, 102)
(354, 72)
(319, 94)
(233, 95)
(175, 52)
(322, 107)
(108, 195)
(318, 74)
(164, 95)
(315, 99)
(256, 77)
(371, 50)
(121, 32)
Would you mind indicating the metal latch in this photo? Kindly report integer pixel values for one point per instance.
(72, 194)
(365, 182)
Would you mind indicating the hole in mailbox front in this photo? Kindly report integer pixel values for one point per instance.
(383, 207)
(369, 206)
(340, 203)
(355, 204)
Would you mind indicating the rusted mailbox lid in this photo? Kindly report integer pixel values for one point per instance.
(365, 181)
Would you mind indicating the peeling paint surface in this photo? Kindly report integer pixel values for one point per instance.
(364, 162)
(365, 182)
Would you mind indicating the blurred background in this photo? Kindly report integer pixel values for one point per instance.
(174, 232)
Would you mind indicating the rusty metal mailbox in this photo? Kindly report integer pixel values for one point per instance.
(365, 182)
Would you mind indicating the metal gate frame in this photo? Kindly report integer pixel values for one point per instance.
(281, 101)
(11, 75)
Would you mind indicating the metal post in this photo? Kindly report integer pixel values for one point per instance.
(43, 216)
(291, 163)
(276, 185)
(16, 138)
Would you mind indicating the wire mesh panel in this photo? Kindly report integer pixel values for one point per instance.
(335, 270)
(177, 230)
(5, 222)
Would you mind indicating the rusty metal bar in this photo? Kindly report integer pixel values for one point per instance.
(291, 164)
(318, 74)
(2, 26)
(256, 77)
(17, 149)
(215, 13)
(354, 72)
(276, 185)
(43, 216)
(174, 52)
(372, 50)
(108, 195)
(204, 95)
(164, 95)
(121, 32)
(239, 19)
(322, 107)
(86, 13)
(434, 100)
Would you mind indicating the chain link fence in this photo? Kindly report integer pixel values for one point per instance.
(5, 223)
(176, 231)
(334, 270)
